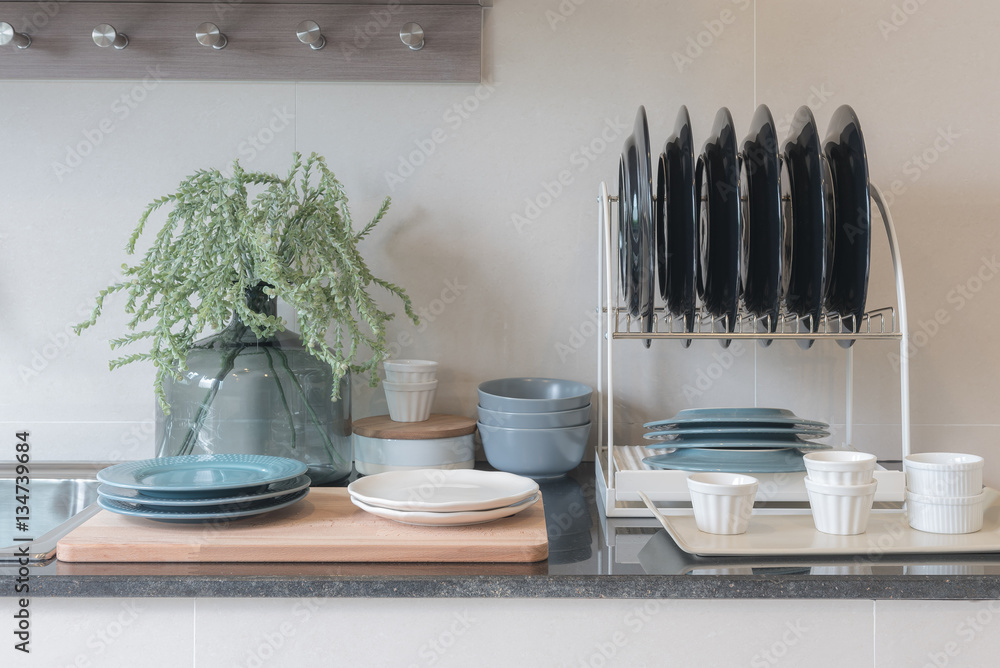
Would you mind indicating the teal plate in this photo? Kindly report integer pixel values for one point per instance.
(201, 476)
(739, 443)
(740, 413)
(201, 513)
(771, 417)
(771, 423)
(752, 433)
(270, 491)
(781, 460)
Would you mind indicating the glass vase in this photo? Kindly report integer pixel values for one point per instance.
(242, 394)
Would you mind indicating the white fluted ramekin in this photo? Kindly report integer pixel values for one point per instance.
(841, 510)
(840, 467)
(410, 371)
(722, 502)
(409, 402)
(945, 514)
(944, 474)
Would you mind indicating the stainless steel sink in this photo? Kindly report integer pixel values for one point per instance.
(62, 496)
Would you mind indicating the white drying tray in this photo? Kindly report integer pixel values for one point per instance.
(796, 535)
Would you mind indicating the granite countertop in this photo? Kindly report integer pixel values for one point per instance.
(589, 557)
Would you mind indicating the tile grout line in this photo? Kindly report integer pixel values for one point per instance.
(874, 633)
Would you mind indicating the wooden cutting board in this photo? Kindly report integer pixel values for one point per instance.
(323, 527)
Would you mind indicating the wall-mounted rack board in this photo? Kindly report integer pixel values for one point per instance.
(235, 40)
(621, 475)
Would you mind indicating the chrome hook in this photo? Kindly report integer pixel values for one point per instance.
(105, 35)
(412, 36)
(10, 36)
(208, 34)
(309, 33)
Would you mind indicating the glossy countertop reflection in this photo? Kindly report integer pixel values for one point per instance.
(589, 556)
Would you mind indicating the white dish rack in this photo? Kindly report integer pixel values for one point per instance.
(621, 475)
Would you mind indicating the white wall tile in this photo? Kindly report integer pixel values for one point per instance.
(936, 633)
(550, 632)
(92, 632)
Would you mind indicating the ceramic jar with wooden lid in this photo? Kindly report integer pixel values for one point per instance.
(440, 442)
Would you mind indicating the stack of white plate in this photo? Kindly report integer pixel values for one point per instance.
(441, 497)
(193, 488)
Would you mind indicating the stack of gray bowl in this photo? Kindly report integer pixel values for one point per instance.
(535, 427)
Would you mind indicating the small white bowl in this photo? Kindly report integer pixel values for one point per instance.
(944, 514)
(410, 371)
(409, 402)
(841, 510)
(722, 502)
(840, 467)
(948, 474)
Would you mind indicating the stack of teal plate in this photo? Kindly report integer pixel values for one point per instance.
(734, 440)
(195, 488)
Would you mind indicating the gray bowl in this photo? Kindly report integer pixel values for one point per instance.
(535, 453)
(570, 418)
(533, 395)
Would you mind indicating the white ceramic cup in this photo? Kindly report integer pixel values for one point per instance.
(840, 467)
(722, 502)
(948, 474)
(945, 514)
(410, 371)
(842, 510)
(409, 402)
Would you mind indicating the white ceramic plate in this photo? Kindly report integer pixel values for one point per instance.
(432, 519)
(438, 490)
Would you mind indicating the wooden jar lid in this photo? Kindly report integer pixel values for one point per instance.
(437, 426)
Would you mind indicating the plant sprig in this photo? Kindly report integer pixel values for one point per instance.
(218, 242)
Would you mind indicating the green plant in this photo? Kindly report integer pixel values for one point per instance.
(226, 235)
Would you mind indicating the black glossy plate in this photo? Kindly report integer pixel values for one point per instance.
(678, 222)
(845, 150)
(717, 180)
(623, 218)
(631, 225)
(763, 233)
(808, 217)
(644, 213)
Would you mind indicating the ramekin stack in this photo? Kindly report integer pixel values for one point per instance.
(841, 488)
(944, 492)
(409, 389)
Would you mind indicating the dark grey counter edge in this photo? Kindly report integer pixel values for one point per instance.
(910, 587)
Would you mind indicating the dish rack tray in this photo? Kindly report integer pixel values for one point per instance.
(619, 469)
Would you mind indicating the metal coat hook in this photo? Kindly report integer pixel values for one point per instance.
(10, 36)
(208, 34)
(105, 35)
(412, 36)
(309, 33)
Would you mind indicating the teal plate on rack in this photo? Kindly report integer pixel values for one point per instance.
(735, 442)
(777, 417)
(738, 444)
(779, 460)
(200, 513)
(736, 421)
(201, 476)
(752, 433)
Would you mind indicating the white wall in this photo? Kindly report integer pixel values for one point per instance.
(555, 87)
(540, 632)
